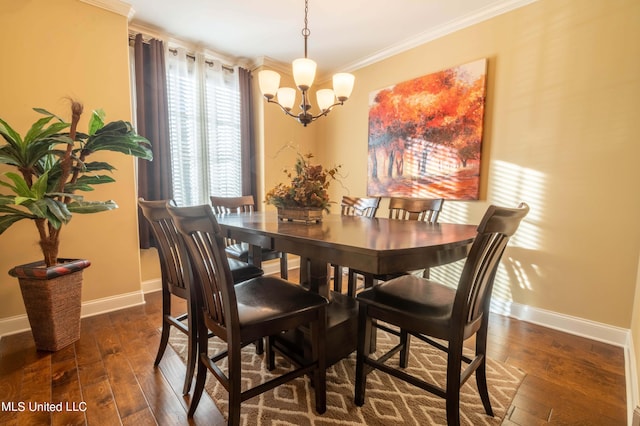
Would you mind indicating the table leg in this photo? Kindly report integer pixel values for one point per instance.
(342, 318)
(255, 255)
(318, 277)
(304, 272)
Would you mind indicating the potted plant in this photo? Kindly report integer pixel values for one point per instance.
(306, 196)
(51, 168)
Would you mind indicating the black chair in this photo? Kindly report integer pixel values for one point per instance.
(427, 309)
(240, 314)
(423, 209)
(240, 250)
(176, 279)
(353, 206)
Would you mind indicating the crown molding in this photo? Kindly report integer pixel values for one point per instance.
(270, 63)
(495, 9)
(115, 6)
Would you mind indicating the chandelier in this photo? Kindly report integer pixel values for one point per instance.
(304, 71)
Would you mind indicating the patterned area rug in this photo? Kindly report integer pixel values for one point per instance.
(387, 400)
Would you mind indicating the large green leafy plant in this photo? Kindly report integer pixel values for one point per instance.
(51, 163)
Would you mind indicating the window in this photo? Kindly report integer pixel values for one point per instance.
(204, 127)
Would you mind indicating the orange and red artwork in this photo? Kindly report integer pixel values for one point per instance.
(425, 135)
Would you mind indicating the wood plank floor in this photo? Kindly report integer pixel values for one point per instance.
(570, 380)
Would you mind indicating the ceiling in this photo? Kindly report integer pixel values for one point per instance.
(345, 34)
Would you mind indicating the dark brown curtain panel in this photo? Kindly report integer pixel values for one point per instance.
(152, 116)
(249, 177)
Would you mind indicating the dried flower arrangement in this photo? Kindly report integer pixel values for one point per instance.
(308, 187)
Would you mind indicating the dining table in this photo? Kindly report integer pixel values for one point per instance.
(371, 245)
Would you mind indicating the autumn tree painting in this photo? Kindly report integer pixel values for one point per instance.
(425, 135)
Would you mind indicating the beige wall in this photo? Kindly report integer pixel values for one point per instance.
(563, 86)
(53, 50)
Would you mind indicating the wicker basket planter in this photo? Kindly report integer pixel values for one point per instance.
(300, 214)
(52, 297)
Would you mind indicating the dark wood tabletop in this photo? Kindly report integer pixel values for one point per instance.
(377, 245)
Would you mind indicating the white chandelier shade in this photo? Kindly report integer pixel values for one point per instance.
(304, 72)
(343, 85)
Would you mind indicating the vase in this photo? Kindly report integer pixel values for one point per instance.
(307, 215)
(53, 298)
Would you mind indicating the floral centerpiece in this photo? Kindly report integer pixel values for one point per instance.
(306, 193)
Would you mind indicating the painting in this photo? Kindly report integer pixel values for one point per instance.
(425, 135)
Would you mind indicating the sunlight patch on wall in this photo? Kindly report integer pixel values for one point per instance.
(510, 184)
(454, 212)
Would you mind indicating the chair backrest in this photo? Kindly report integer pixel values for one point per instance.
(359, 206)
(226, 205)
(174, 260)
(425, 209)
(214, 289)
(476, 281)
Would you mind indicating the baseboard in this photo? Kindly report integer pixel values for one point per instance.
(149, 286)
(592, 330)
(631, 376)
(20, 323)
(110, 304)
(605, 333)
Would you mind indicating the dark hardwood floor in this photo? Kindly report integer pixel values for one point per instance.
(570, 380)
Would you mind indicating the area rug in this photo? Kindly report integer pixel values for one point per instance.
(388, 401)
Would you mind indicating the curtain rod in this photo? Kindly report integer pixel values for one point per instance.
(147, 37)
(192, 56)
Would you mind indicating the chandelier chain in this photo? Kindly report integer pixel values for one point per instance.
(305, 31)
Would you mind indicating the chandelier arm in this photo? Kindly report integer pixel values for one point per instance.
(306, 118)
(327, 111)
(285, 110)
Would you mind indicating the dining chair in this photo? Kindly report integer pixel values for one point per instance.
(423, 209)
(359, 206)
(239, 314)
(429, 310)
(176, 280)
(241, 250)
(353, 206)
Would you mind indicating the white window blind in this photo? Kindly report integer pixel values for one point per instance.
(204, 125)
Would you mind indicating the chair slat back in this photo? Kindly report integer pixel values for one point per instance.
(476, 281)
(226, 205)
(214, 282)
(359, 206)
(174, 260)
(424, 209)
